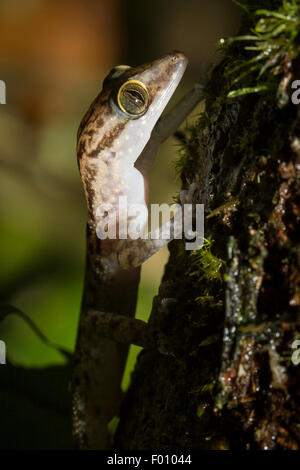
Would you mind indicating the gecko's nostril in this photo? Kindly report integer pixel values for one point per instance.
(179, 57)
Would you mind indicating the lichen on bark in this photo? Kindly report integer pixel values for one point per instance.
(225, 319)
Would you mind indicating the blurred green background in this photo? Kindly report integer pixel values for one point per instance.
(54, 55)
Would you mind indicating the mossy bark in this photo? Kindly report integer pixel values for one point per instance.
(225, 319)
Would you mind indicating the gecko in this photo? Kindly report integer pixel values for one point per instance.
(117, 142)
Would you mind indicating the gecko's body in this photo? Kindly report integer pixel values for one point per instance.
(111, 138)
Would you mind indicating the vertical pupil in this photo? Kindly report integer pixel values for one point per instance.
(133, 99)
(135, 94)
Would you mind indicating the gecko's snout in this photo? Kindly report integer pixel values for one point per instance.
(174, 63)
(177, 60)
(179, 57)
(169, 67)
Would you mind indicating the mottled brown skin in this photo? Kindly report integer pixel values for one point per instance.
(101, 292)
(99, 361)
(104, 295)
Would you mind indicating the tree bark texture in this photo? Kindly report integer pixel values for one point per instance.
(226, 316)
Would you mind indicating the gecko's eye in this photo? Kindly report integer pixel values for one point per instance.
(133, 99)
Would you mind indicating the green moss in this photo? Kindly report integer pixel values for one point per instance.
(256, 61)
(273, 38)
(203, 120)
(228, 205)
(182, 162)
(206, 266)
(246, 91)
(208, 300)
(286, 356)
(185, 160)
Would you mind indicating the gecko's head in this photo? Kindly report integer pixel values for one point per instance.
(123, 115)
(142, 93)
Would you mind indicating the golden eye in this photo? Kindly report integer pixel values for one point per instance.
(133, 98)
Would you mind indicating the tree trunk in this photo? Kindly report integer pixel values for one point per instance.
(226, 316)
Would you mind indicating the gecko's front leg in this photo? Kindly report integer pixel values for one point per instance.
(111, 137)
(133, 253)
